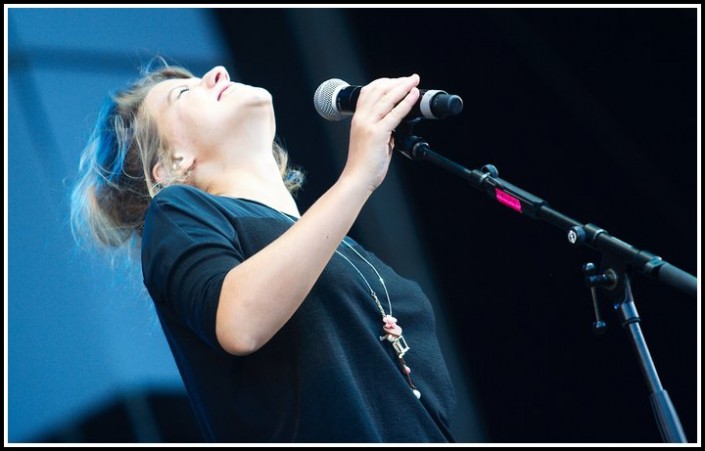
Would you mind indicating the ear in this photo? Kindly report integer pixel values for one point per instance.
(180, 164)
(159, 173)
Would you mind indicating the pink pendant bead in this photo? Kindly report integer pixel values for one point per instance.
(391, 328)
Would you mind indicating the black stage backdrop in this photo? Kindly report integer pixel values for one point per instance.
(595, 111)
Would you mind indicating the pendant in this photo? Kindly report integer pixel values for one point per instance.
(391, 330)
(393, 334)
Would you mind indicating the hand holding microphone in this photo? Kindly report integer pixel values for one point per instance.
(335, 99)
(377, 109)
(380, 106)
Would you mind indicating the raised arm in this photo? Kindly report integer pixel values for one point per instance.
(260, 295)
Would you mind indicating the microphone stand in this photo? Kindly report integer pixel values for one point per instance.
(619, 260)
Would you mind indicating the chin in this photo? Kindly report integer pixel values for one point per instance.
(258, 95)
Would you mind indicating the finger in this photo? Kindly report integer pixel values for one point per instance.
(371, 93)
(398, 87)
(402, 108)
(385, 92)
(397, 91)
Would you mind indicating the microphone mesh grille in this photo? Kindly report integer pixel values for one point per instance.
(323, 99)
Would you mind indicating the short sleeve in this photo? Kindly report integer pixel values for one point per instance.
(188, 247)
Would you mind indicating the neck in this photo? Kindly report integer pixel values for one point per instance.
(256, 179)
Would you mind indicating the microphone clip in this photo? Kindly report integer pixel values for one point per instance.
(411, 146)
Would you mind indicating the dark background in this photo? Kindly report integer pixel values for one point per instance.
(593, 110)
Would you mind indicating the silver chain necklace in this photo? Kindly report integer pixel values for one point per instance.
(392, 332)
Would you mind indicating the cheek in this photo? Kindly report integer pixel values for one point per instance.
(214, 125)
(201, 125)
(184, 129)
(202, 116)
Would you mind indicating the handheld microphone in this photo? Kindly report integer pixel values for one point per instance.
(335, 99)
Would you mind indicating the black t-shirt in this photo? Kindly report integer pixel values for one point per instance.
(325, 376)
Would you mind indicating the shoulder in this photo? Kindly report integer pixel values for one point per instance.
(178, 194)
(192, 204)
(188, 209)
(185, 200)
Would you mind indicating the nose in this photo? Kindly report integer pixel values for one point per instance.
(215, 75)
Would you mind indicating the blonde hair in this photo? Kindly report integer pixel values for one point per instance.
(115, 184)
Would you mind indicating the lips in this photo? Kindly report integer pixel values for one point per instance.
(228, 85)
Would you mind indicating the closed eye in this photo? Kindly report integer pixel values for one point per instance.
(181, 92)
